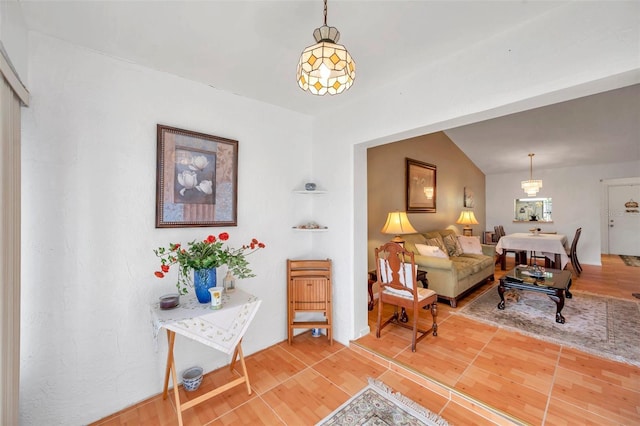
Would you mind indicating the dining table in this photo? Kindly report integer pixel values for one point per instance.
(552, 246)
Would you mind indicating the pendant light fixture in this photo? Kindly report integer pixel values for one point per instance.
(326, 67)
(531, 187)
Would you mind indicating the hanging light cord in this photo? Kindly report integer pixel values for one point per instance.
(325, 12)
(531, 166)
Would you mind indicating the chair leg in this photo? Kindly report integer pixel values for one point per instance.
(415, 330)
(379, 318)
(434, 315)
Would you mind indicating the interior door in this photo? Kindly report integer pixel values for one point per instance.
(624, 219)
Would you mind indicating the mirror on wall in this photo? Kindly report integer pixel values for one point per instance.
(532, 210)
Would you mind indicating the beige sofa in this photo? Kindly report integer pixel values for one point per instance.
(456, 276)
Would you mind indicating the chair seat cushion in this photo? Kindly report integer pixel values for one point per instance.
(423, 293)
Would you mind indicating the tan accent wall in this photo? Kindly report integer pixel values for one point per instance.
(386, 185)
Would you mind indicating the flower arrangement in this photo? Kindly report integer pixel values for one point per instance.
(206, 254)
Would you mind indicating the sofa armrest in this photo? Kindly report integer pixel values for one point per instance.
(489, 249)
(432, 262)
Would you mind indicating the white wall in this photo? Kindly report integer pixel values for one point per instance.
(89, 182)
(577, 202)
(13, 35)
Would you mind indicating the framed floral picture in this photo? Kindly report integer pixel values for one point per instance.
(197, 179)
(421, 187)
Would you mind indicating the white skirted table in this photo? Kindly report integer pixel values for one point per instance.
(221, 329)
(552, 246)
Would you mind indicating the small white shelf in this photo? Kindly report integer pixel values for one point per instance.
(325, 229)
(304, 191)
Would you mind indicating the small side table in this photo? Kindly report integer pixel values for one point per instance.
(221, 329)
(373, 277)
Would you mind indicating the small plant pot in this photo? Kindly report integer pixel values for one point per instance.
(192, 378)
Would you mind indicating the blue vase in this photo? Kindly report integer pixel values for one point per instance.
(203, 280)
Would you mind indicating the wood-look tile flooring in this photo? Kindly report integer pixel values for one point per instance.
(469, 374)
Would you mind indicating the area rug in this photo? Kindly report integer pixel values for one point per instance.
(630, 260)
(603, 326)
(377, 404)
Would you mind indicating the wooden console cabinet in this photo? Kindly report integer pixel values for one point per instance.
(309, 290)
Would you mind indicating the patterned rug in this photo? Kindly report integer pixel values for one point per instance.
(376, 405)
(630, 260)
(603, 326)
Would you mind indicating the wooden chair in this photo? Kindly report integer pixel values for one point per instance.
(521, 255)
(309, 290)
(573, 254)
(397, 284)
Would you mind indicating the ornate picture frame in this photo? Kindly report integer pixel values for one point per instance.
(421, 186)
(196, 180)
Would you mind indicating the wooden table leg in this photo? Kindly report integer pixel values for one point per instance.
(171, 369)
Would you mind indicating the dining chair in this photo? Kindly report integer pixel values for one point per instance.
(521, 255)
(573, 253)
(397, 285)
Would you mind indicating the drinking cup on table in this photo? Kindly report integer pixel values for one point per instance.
(216, 297)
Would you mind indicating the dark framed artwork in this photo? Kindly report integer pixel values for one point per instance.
(421, 186)
(197, 179)
(468, 201)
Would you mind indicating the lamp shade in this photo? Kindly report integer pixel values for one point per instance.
(467, 218)
(398, 224)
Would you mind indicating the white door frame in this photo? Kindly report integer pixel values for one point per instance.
(604, 207)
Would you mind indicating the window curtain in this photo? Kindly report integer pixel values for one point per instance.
(11, 100)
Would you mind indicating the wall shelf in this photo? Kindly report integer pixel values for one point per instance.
(304, 191)
(301, 228)
(322, 229)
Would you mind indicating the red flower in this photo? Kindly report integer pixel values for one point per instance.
(254, 241)
(165, 268)
(261, 245)
(159, 274)
(223, 236)
(210, 239)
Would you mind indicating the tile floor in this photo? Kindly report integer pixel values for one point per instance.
(471, 373)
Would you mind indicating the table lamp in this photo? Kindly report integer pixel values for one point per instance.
(398, 224)
(467, 218)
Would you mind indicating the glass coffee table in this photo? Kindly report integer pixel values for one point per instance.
(552, 282)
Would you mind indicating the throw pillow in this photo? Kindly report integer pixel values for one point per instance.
(452, 244)
(431, 251)
(437, 242)
(470, 245)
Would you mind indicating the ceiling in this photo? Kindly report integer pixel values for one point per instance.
(251, 48)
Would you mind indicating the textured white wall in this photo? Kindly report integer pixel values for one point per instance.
(577, 198)
(13, 35)
(89, 182)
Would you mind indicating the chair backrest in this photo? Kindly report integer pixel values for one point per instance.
(396, 270)
(574, 243)
(499, 230)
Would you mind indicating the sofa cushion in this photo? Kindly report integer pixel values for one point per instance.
(410, 241)
(431, 251)
(470, 245)
(452, 244)
(437, 242)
